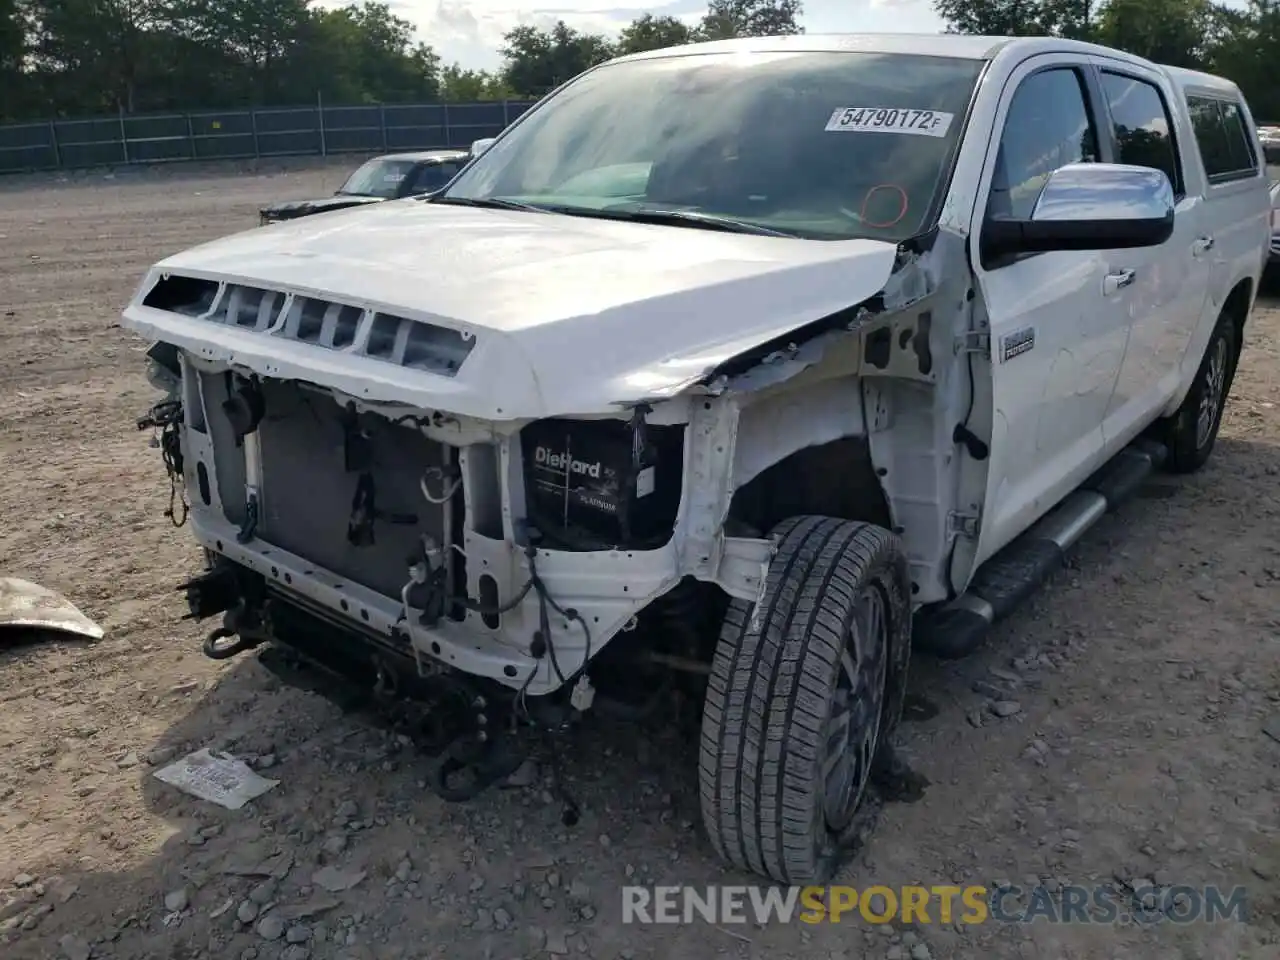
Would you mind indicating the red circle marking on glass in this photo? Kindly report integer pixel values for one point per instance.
(902, 212)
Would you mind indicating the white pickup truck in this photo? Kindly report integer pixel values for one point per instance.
(747, 366)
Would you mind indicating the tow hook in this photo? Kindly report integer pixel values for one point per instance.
(476, 753)
(241, 630)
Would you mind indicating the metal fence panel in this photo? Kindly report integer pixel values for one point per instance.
(238, 134)
(20, 137)
(29, 146)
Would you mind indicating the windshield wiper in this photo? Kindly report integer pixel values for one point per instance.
(692, 218)
(487, 203)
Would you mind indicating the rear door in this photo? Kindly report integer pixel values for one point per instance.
(1167, 292)
(1233, 174)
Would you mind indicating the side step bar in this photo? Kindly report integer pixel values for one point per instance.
(1020, 569)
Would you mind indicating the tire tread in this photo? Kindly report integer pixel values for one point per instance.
(769, 690)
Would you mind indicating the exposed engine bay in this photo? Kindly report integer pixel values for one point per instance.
(392, 519)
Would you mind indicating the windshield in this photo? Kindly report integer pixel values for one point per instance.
(822, 145)
(377, 178)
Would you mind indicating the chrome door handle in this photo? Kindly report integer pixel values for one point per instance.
(1117, 281)
(1202, 245)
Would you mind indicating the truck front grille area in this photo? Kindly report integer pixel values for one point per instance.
(414, 344)
(343, 491)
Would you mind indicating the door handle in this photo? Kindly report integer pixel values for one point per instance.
(1202, 245)
(1117, 281)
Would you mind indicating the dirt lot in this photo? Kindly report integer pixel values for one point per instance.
(1143, 679)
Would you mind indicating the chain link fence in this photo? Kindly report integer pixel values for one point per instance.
(241, 134)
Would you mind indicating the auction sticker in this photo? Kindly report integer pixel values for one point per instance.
(921, 123)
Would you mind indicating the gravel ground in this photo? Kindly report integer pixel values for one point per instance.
(1128, 746)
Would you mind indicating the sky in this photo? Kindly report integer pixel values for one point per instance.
(469, 32)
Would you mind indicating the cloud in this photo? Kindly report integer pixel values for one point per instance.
(472, 29)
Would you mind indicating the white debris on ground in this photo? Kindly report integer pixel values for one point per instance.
(223, 780)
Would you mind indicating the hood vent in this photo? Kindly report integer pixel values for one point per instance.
(333, 326)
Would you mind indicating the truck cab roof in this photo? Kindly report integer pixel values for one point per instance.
(959, 46)
(1185, 80)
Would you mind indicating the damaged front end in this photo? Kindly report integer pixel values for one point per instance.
(473, 565)
(371, 492)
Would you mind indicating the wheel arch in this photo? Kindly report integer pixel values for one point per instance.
(834, 479)
(1238, 306)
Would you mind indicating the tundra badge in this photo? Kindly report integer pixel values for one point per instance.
(1017, 343)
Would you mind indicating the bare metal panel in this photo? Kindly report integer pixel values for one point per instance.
(228, 464)
(307, 493)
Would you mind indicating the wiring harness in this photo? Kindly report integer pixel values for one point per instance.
(166, 419)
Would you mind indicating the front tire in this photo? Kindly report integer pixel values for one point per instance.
(1192, 432)
(805, 690)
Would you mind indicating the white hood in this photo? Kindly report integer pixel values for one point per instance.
(570, 314)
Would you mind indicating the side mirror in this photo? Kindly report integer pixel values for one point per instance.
(480, 146)
(1089, 206)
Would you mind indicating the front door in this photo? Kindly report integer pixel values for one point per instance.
(1058, 321)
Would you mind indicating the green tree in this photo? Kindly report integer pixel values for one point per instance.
(1173, 32)
(458, 85)
(1019, 18)
(653, 33)
(362, 53)
(538, 61)
(92, 54)
(260, 35)
(13, 49)
(726, 19)
(1245, 46)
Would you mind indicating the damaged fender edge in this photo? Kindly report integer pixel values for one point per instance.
(893, 340)
(743, 571)
(28, 605)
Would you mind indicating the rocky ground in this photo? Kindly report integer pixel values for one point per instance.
(1113, 732)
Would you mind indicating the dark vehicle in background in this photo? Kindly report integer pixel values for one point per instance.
(389, 177)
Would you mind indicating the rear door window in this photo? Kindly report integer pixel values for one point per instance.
(1223, 138)
(1142, 126)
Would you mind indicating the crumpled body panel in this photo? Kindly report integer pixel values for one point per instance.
(31, 606)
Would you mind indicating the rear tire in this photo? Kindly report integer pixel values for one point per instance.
(1191, 433)
(804, 693)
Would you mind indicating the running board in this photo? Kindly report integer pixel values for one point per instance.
(1020, 569)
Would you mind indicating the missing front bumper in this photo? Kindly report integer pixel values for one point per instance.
(606, 589)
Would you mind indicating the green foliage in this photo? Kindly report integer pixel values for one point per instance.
(1173, 32)
(14, 86)
(468, 86)
(538, 61)
(653, 33)
(726, 19)
(1019, 18)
